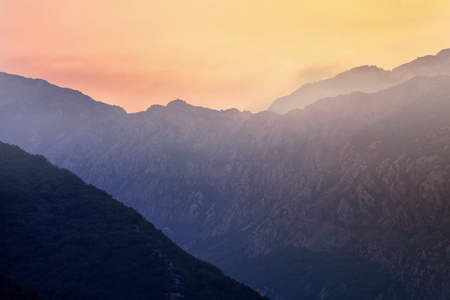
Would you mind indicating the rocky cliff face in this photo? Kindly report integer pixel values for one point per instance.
(361, 179)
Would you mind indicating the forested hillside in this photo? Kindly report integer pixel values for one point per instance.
(63, 239)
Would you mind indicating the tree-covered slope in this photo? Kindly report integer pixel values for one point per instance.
(10, 289)
(65, 239)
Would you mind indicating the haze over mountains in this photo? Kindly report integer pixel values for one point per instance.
(367, 79)
(346, 199)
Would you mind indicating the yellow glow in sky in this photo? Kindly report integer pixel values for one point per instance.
(217, 54)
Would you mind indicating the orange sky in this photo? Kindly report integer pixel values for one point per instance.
(217, 54)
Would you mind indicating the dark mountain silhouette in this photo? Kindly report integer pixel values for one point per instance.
(347, 198)
(13, 290)
(64, 239)
(367, 79)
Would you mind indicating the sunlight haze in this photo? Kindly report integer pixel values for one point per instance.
(217, 54)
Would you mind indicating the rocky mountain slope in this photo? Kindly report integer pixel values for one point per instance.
(65, 239)
(366, 79)
(346, 199)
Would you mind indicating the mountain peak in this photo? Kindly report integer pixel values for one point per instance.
(367, 78)
(366, 68)
(178, 103)
(174, 104)
(444, 52)
(367, 71)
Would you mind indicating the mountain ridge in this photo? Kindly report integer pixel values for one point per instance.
(363, 79)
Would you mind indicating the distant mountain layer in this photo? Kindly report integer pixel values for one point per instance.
(366, 79)
(347, 198)
(63, 239)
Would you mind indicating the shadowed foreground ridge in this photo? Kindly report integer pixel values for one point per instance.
(63, 239)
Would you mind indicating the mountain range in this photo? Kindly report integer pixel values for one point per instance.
(347, 198)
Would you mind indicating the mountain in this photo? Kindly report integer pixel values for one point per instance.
(12, 290)
(347, 198)
(64, 239)
(366, 79)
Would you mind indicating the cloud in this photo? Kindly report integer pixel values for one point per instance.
(316, 73)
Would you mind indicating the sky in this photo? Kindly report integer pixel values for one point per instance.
(214, 53)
